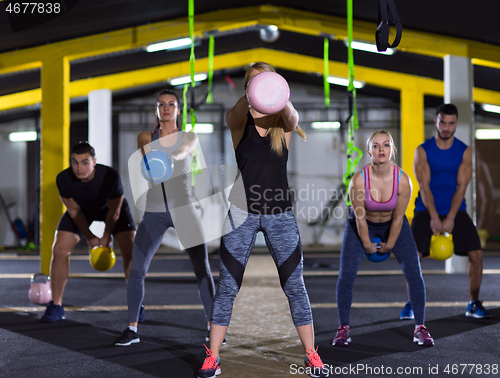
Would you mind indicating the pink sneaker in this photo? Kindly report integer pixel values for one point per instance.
(423, 337)
(343, 336)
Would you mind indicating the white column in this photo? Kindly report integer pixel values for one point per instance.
(458, 87)
(100, 131)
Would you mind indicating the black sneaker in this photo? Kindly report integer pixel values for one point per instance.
(128, 337)
(53, 313)
(142, 315)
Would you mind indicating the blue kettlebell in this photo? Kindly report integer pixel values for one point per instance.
(377, 256)
(157, 166)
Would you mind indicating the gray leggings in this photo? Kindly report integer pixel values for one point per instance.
(282, 238)
(147, 240)
(406, 253)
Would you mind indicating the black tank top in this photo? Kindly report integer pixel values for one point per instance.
(263, 173)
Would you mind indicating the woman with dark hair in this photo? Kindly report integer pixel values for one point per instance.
(261, 144)
(161, 212)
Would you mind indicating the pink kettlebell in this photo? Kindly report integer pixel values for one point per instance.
(268, 92)
(40, 291)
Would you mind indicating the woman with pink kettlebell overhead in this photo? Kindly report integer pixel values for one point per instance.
(261, 125)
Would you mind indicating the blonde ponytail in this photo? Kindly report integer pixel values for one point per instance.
(301, 132)
(277, 133)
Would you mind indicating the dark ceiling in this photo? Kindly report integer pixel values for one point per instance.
(474, 20)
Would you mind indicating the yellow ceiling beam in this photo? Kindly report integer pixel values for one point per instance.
(372, 76)
(21, 67)
(486, 96)
(229, 19)
(20, 99)
(486, 63)
(279, 59)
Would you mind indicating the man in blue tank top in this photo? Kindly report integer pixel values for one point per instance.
(443, 168)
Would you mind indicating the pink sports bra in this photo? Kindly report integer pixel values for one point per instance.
(370, 203)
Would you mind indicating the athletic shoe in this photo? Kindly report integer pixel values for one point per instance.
(142, 315)
(128, 337)
(407, 312)
(207, 338)
(423, 337)
(315, 365)
(343, 336)
(53, 313)
(475, 309)
(211, 365)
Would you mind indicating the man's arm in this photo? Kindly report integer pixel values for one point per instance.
(423, 175)
(114, 206)
(464, 176)
(79, 218)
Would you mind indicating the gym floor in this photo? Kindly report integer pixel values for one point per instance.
(261, 340)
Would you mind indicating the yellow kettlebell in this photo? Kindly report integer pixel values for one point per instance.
(442, 247)
(102, 258)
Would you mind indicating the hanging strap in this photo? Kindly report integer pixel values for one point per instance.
(184, 108)
(384, 24)
(195, 161)
(192, 110)
(210, 98)
(352, 119)
(326, 58)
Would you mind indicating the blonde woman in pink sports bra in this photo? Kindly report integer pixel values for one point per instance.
(380, 193)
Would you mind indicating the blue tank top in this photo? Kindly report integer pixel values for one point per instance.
(444, 166)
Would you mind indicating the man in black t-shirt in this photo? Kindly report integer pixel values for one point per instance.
(90, 192)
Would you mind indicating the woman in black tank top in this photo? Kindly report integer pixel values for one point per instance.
(261, 144)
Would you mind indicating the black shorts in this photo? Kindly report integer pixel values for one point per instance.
(465, 236)
(125, 221)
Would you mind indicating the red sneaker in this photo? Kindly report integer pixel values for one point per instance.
(210, 367)
(316, 367)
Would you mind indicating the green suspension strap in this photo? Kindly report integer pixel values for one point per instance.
(184, 108)
(192, 110)
(196, 168)
(210, 98)
(352, 121)
(326, 84)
